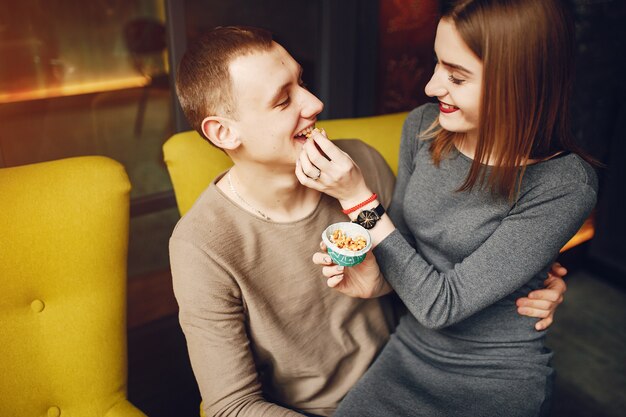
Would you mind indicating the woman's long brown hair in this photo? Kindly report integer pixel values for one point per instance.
(526, 47)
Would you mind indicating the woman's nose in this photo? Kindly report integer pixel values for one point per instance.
(435, 87)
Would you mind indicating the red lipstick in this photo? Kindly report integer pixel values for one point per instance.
(450, 109)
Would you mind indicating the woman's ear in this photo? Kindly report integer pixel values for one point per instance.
(221, 132)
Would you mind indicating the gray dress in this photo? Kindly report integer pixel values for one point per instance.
(458, 261)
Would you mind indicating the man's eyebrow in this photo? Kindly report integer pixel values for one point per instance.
(278, 94)
(282, 88)
(458, 67)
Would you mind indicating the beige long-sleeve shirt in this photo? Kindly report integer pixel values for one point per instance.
(265, 335)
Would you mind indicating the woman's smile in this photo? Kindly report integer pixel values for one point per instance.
(447, 108)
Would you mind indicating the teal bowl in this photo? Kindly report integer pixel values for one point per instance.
(346, 257)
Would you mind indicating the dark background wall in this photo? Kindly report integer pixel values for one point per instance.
(599, 121)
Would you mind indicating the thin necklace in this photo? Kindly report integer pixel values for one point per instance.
(232, 188)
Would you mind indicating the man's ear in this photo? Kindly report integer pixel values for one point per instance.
(221, 132)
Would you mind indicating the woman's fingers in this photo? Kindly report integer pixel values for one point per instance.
(315, 155)
(327, 146)
(325, 155)
(305, 180)
(330, 171)
(308, 168)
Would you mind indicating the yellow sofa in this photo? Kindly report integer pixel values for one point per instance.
(63, 249)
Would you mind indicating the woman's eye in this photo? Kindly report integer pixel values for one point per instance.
(455, 80)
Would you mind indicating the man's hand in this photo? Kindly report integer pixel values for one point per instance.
(544, 302)
(360, 281)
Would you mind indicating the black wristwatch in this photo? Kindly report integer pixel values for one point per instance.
(368, 218)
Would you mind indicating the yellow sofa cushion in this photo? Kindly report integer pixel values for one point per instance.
(381, 132)
(63, 281)
(192, 164)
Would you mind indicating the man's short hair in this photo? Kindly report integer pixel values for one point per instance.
(203, 82)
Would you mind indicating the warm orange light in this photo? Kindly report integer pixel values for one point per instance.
(584, 234)
(75, 89)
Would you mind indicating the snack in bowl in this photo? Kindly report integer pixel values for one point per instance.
(344, 241)
(347, 243)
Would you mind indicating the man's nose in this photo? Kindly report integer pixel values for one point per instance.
(311, 105)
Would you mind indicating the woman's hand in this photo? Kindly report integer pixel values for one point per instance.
(326, 168)
(361, 281)
(544, 302)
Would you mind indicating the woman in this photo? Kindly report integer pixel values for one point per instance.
(489, 188)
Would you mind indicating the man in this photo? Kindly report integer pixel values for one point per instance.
(266, 337)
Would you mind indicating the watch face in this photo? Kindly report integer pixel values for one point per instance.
(367, 219)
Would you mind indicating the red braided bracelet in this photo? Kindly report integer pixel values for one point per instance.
(358, 206)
